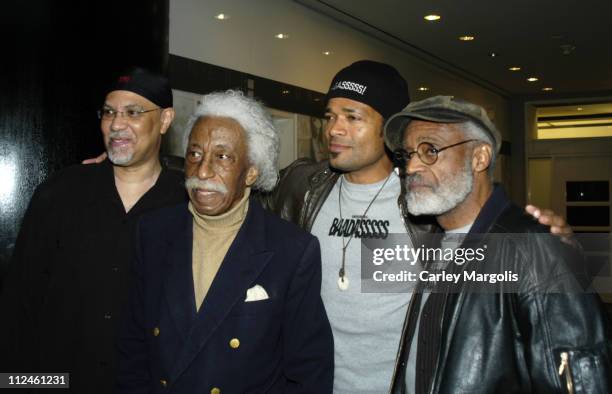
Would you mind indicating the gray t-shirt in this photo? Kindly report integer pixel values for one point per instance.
(366, 326)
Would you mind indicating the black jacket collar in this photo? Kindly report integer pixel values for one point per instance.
(497, 203)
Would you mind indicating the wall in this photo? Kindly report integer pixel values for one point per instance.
(523, 128)
(246, 43)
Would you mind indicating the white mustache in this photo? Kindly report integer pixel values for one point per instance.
(195, 183)
(414, 179)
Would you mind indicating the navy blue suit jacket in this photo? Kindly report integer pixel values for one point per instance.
(285, 342)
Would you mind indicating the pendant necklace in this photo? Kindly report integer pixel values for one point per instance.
(343, 282)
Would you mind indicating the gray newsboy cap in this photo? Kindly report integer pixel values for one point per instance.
(438, 109)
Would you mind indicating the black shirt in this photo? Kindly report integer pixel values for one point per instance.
(69, 275)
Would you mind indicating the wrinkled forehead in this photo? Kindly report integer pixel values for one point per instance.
(209, 129)
(417, 131)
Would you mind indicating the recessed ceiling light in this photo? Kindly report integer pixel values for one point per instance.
(579, 109)
(327, 53)
(547, 89)
(432, 17)
(532, 79)
(423, 88)
(222, 17)
(514, 68)
(493, 54)
(467, 38)
(282, 36)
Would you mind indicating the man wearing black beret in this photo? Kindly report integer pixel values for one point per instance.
(69, 273)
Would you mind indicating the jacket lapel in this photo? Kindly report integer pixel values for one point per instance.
(493, 208)
(243, 263)
(178, 287)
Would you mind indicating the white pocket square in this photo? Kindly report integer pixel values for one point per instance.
(256, 293)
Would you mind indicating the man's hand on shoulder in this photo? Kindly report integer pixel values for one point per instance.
(96, 160)
(557, 223)
(549, 218)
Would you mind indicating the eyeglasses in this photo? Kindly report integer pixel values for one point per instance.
(131, 113)
(427, 153)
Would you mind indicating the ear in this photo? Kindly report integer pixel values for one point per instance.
(167, 116)
(481, 159)
(251, 177)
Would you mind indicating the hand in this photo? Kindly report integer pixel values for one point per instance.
(96, 160)
(556, 222)
(548, 218)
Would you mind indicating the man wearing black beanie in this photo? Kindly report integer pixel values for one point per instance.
(351, 197)
(69, 273)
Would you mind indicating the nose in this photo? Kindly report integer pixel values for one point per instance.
(414, 165)
(205, 169)
(119, 122)
(336, 127)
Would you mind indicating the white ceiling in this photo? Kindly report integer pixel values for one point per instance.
(525, 33)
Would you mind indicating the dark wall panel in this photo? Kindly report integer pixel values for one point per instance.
(199, 77)
(58, 58)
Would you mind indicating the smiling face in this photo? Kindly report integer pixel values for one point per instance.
(438, 188)
(355, 139)
(133, 141)
(217, 166)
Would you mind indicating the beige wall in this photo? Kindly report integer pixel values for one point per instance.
(539, 177)
(246, 43)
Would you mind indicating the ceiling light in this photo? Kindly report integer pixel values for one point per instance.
(579, 109)
(493, 54)
(327, 53)
(222, 17)
(466, 38)
(423, 88)
(514, 68)
(281, 36)
(532, 79)
(547, 89)
(285, 92)
(432, 17)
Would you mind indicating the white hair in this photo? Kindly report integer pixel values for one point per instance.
(263, 141)
(473, 130)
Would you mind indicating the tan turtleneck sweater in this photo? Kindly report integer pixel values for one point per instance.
(212, 237)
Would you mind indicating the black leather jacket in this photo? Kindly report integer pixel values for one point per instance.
(508, 343)
(514, 341)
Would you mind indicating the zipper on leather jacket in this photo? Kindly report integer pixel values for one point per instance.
(564, 369)
(305, 208)
(401, 344)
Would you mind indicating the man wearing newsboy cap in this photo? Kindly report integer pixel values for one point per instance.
(520, 320)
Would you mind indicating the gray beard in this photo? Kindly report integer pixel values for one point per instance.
(452, 191)
(120, 157)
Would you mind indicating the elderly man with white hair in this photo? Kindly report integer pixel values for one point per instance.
(226, 296)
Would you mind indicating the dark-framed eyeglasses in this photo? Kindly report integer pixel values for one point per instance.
(426, 152)
(131, 113)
